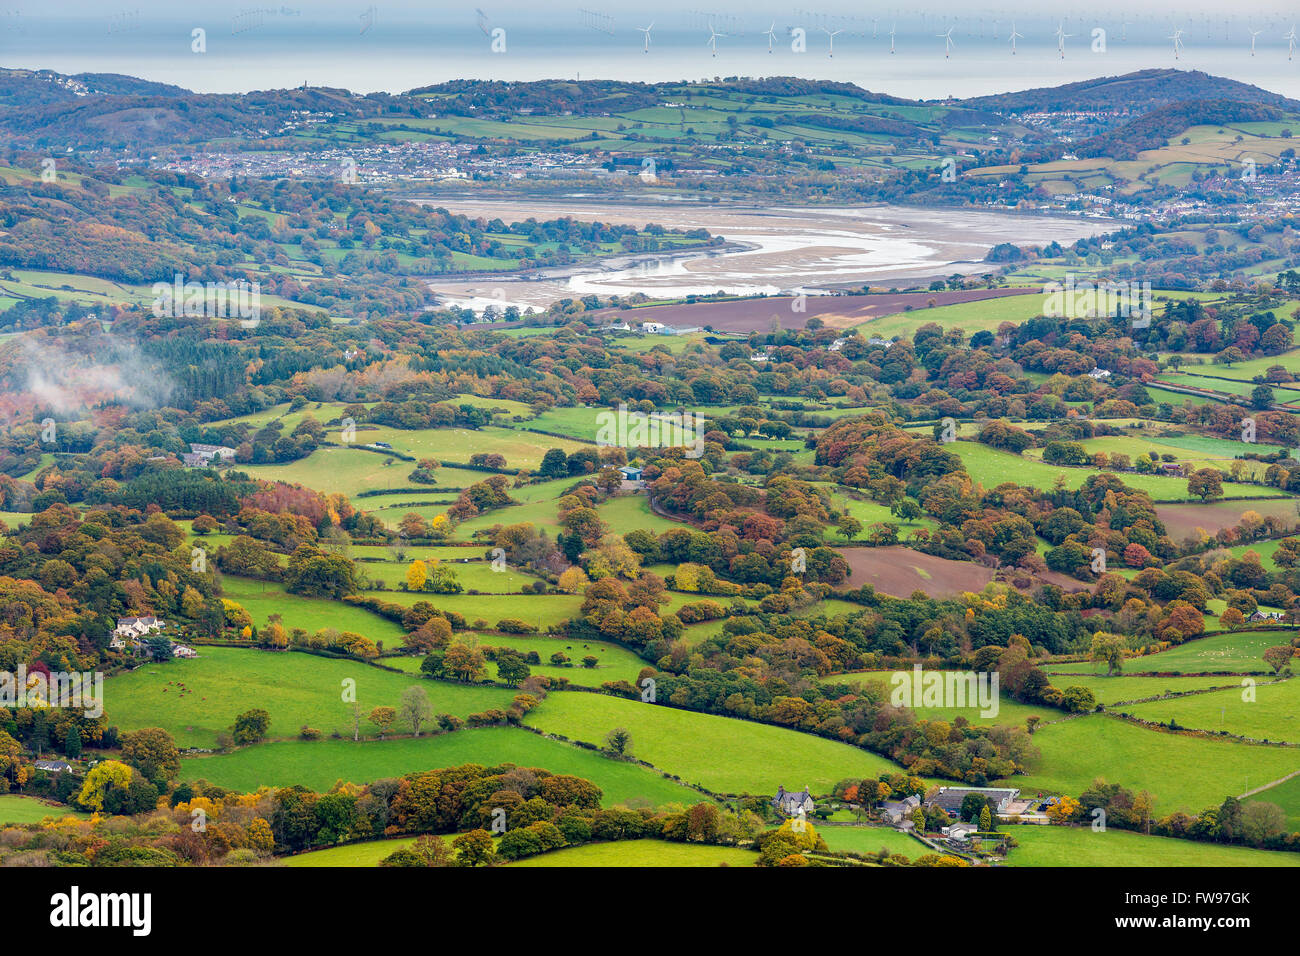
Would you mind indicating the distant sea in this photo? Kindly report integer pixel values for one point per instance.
(368, 50)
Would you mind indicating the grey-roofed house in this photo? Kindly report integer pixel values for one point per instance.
(791, 803)
(898, 811)
(949, 799)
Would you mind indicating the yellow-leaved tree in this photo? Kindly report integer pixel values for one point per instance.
(416, 575)
(109, 773)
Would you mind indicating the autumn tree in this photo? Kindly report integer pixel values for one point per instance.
(1205, 483)
(153, 752)
(105, 775)
(474, 848)
(416, 575)
(464, 662)
(251, 726)
(1278, 657)
(383, 717)
(1110, 649)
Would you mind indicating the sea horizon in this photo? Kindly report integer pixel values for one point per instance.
(369, 50)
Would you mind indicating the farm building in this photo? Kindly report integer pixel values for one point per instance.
(1270, 617)
(959, 831)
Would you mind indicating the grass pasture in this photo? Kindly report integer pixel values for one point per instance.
(992, 467)
(194, 700)
(1273, 714)
(370, 853)
(615, 661)
(641, 853)
(319, 764)
(263, 598)
(1239, 652)
(864, 839)
(1081, 846)
(19, 809)
(1182, 772)
(691, 745)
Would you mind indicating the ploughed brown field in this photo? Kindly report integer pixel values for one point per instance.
(899, 571)
(1182, 520)
(836, 311)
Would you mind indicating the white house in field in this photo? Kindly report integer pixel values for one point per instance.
(137, 627)
(204, 456)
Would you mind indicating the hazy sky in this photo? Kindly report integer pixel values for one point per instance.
(397, 45)
(626, 12)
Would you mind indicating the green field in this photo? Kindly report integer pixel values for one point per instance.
(1263, 549)
(296, 689)
(643, 853)
(1233, 653)
(541, 513)
(1111, 690)
(19, 809)
(692, 746)
(369, 853)
(539, 610)
(862, 839)
(992, 467)
(1182, 772)
(263, 598)
(521, 449)
(628, 512)
(1205, 452)
(472, 576)
(615, 661)
(971, 317)
(320, 764)
(1009, 711)
(1287, 796)
(1274, 714)
(1081, 846)
(351, 470)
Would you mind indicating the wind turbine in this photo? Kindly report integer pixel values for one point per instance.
(646, 31)
(874, 22)
(947, 42)
(832, 34)
(1178, 42)
(1253, 34)
(1014, 37)
(713, 39)
(1290, 42)
(1060, 39)
(771, 36)
(891, 38)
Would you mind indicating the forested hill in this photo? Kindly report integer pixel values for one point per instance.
(1153, 129)
(1144, 90)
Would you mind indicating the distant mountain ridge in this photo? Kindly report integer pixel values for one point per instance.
(48, 109)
